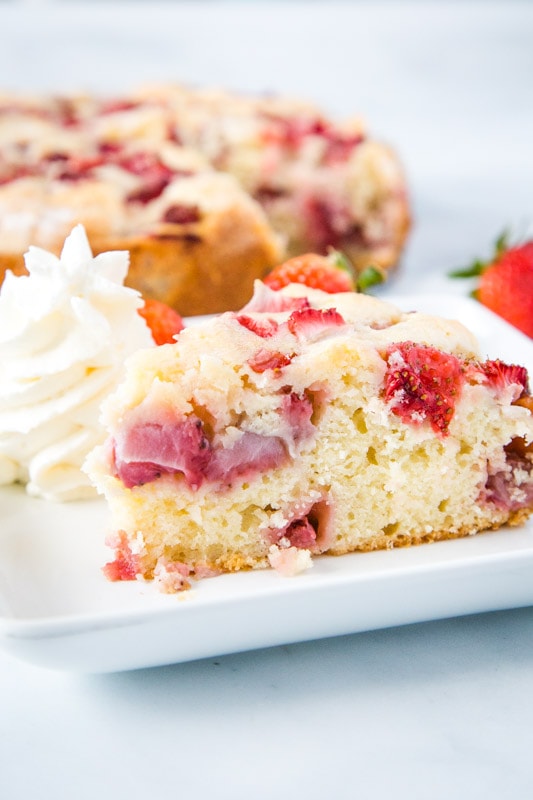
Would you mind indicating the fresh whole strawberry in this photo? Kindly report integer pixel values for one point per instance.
(163, 321)
(332, 273)
(506, 283)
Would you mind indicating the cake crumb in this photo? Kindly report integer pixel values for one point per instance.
(289, 561)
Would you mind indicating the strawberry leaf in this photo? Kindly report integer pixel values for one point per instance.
(370, 276)
(501, 244)
(341, 261)
(477, 267)
(472, 271)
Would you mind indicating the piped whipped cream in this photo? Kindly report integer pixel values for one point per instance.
(66, 329)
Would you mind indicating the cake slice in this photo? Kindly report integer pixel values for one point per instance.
(309, 423)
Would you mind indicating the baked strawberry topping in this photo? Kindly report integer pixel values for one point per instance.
(501, 375)
(308, 323)
(262, 327)
(154, 176)
(182, 214)
(118, 106)
(423, 383)
(290, 133)
(266, 194)
(77, 168)
(268, 301)
(153, 188)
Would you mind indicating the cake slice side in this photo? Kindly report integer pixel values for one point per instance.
(335, 424)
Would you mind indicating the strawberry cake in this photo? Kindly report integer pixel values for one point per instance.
(309, 423)
(206, 189)
(196, 239)
(322, 183)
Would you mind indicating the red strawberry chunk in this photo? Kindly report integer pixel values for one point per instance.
(181, 214)
(150, 449)
(290, 132)
(262, 327)
(507, 488)
(126, 565)
(423, 383)
(155, 175)
(118, 106)
(325, 224)
(78, 167)
(268, 359)
(152, 188)
(308, 323)
(501, 375)
(251, 454)
(340, 146)
(298, 410)
(301, 533)
(147, 450)
(266, 300)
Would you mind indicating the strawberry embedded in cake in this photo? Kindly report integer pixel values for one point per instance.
(309, 423)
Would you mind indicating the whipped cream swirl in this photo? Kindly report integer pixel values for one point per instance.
(65, 331)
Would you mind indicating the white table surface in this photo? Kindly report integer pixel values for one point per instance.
(433, 711)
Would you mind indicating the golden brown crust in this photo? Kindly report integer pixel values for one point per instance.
(236, 562)
(202, 269)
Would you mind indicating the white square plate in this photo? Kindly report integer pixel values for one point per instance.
(57, 609)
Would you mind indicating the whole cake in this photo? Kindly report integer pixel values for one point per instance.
(309, 423)
(322, 183)
(206, 189)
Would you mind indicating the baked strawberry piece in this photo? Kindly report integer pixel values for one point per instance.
(309, 423)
